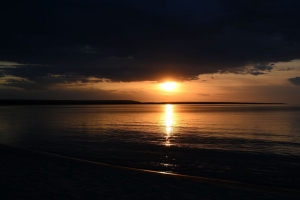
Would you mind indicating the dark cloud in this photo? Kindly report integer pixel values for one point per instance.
(32, 79)
(204, 94)
(295, 81)
(254, 69)
(285, 68)
(72, 93)
(259, 69)
(146, 40)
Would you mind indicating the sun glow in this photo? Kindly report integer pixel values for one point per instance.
(168, 86)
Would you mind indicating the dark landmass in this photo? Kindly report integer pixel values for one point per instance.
(99, 102)
(206, 102)
(63, 102)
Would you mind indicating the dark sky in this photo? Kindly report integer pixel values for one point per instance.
(64, 41)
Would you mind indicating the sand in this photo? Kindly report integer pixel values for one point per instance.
(27, 174)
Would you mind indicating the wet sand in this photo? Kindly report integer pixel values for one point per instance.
(27, 174)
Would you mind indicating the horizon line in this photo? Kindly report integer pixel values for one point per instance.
(95, 102)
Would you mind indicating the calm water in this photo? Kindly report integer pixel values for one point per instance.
(249, 143)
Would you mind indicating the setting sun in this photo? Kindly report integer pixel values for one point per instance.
(168, 86)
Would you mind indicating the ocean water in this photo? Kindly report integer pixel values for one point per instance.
(257, 144)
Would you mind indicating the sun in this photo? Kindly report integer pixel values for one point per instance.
(169, 86)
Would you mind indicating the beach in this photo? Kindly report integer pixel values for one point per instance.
(28, 174)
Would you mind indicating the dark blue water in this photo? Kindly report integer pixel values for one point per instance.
(249, 143)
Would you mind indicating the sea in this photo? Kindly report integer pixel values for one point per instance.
(254, 144)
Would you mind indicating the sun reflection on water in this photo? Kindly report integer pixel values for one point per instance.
(169, 123)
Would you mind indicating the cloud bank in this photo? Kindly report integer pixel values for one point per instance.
(144, 40)
(295, 81)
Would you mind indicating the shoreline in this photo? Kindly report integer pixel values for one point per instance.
(25, 171)
(15, 102)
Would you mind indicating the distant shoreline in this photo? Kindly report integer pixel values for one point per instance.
(207, 102)
(7, 102)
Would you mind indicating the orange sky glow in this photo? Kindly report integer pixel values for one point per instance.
(208, 87)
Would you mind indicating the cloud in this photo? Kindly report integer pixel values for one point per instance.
(259, 69)
(204, 94)
(146, 40)
(285, 68)
(74, 93)
(48, 80)
(2, 74)
(4, 64)
(295, 81)
(256, 69)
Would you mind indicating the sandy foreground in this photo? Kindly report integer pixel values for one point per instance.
(27, 174)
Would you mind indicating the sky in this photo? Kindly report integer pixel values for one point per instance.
(214, 50)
